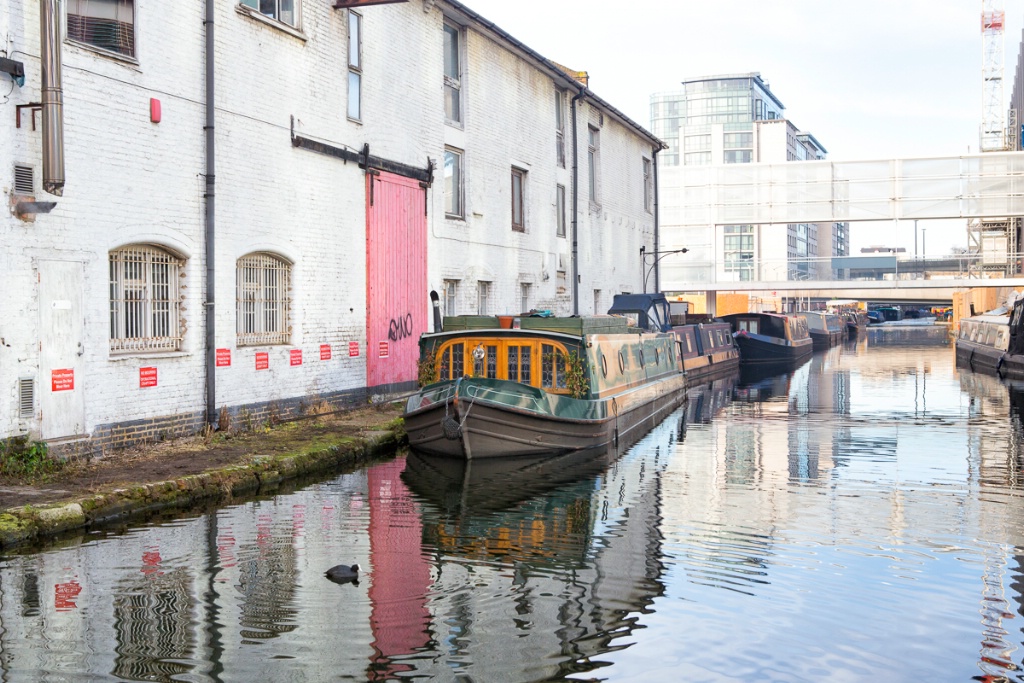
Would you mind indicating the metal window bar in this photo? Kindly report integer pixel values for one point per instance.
(145, 307)
(263, 289)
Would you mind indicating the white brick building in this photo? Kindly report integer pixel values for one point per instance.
(345, 190)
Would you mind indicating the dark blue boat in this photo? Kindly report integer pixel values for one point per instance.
(771, 338)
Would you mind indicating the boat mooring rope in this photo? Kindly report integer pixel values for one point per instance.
(451, 427)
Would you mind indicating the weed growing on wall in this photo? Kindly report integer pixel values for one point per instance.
(20, 457)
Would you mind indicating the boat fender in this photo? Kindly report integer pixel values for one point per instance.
(999, 365)
(451, 428)
(970, 359)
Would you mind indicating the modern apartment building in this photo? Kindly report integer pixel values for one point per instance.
(737, 119)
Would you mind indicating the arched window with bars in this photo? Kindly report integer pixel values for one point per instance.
(263, 300)
(145, 299)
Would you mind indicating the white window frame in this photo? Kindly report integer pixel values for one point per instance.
(524, 296)
(483, 297)
(593, 162)
(451, 297)
(145, 300)
(559, 210)
(560, 127)
(275, 13)
(454, 184)
(648, 186)
(263, 299)
(453, 81)
(518, 199)
(80, 25)
(355, 66)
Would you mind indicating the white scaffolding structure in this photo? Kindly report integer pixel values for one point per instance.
(982, 188)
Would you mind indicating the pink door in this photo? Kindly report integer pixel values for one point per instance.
(396, 277)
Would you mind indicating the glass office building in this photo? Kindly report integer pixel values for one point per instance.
(736, 119)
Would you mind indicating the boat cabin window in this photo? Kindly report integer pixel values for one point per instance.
(686, 341)
(505, 359)
(552, 367)
(485, 361)
(748, 325)
(450, 364)
(798, 327)
(519, 365)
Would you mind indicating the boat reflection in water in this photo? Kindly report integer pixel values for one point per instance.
(494, 484)
(704, 401)
(547, 600)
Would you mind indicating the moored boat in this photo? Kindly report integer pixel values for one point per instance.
(770, 338)
(826, 329)
(856, 322)
(993, 342)
(553, 386)
(708, 350)
(852, 314)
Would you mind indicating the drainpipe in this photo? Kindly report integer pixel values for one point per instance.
(211, 336)
(52, 98)
(657, 234)
(575, 209)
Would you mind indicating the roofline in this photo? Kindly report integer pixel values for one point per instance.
(553, 69)
(805, 134)
(755, 75)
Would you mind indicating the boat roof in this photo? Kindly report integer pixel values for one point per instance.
(991, 318)
(732, 316)
(498, 332)
(573, 325)
(632, 303)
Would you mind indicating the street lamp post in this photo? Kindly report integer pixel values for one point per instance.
(657, 256)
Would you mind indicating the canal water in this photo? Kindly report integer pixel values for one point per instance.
(860, 518)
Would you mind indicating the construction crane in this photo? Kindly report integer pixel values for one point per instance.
(993, 121)
(992, 241)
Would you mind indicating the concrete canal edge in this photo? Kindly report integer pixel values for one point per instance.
(36, 523)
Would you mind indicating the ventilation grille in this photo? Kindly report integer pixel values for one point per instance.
(26, 398)
(24, 180)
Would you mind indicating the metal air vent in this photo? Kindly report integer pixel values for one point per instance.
(26, 398)
(24, 180)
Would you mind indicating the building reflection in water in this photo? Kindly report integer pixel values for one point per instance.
(154, 623)
(539, 569)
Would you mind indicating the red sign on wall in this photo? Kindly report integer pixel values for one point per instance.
(296, 356)
(383, 349)
(147, 377)
(353, 349)
(223, 358)
(325, 352)
(62, 380)
(262, 360)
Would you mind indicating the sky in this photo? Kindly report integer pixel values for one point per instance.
(870, 79)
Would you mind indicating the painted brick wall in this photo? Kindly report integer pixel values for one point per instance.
(131, 181)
